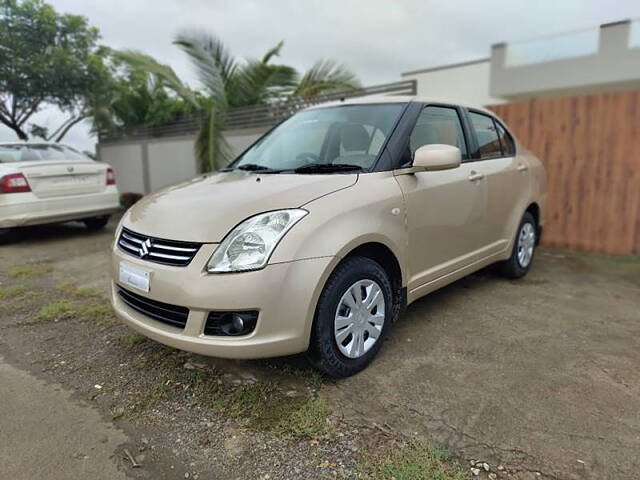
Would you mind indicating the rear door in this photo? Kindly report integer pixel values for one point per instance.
(445, 209)
(506, 177)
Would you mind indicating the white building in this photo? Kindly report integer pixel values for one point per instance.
(593, 60)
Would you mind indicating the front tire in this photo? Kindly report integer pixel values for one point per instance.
(352, 317)
(96, 223)
(523, 249)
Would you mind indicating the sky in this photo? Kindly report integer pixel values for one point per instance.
(377, 39)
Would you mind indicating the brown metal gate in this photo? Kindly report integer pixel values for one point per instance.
(590, 146)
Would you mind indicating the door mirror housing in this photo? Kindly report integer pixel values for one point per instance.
(437, 157)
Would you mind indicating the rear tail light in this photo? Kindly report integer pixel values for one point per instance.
(111, 178)
(14, 183)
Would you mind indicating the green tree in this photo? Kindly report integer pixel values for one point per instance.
(229, 82)
(140, 98)
(48, 58)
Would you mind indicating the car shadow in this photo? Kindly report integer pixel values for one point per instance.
(425, 308)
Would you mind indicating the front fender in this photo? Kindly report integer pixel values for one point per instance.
(372, 210)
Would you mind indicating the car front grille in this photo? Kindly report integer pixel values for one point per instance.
(169, 252)
(173, 315)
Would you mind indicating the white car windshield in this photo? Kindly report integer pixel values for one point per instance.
(347, 136)
(20, 152)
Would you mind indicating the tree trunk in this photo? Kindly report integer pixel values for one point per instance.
(15, 127)
(20, 133)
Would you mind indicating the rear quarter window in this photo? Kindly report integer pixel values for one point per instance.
(508, 145)
(487, 135)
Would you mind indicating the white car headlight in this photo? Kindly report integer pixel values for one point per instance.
(250, 244)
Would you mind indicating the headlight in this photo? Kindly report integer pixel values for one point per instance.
(250, 244)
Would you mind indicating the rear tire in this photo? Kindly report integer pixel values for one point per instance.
(353, 314)
(523, 249)
(96, 223)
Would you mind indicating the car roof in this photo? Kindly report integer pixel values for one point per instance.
(377, 99)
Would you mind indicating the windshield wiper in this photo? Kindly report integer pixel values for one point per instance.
(254, 167)
(327, 168)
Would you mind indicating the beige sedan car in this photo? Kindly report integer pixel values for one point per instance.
(318, 236)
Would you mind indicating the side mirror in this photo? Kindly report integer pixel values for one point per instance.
(437, 157)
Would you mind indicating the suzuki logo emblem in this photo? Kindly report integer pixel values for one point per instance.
(143, 251)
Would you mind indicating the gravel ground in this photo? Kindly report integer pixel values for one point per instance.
(477, 368)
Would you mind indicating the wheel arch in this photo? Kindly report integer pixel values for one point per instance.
(384, 255)
(534, 210)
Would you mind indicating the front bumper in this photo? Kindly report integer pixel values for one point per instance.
(284, 294)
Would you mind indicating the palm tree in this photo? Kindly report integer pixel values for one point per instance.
(229, 83)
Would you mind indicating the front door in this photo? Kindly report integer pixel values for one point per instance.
(445, 209)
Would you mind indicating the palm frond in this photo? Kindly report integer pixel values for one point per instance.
(326, 76)
(145, 63)
(215, 66)
(273, 52)
(263, 83)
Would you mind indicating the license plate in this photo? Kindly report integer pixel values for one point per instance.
(71, 179)
(134, 276)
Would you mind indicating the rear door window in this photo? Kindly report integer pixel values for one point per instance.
(487, 135)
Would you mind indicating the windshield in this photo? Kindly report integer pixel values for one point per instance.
(350, 136)
(19, 152)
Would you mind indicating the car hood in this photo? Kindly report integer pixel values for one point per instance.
(206, 208)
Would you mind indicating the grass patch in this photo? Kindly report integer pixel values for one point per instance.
(259, 406)
(66, 287)
(100, 314)
(266, 408)
(87, 292)
(413, 461)
(69, 288)
(28, 271)
(12, 291)
(131, 339)
(55, 311)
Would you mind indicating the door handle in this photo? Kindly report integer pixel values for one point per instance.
(522, 168)
(475, 176)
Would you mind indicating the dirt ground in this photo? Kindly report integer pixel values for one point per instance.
(536, 377)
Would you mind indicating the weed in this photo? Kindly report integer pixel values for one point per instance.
(12, 291)
(66, 287)
(100, 314)
(87, 292)
(69, 288)
(412, 461)
(29, 270)
(266, 408)
(58, 310)
(131, 339)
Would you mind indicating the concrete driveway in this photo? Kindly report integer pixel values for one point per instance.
(540, 373)
(538, 376)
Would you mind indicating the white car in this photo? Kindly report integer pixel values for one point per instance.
(49, 183)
